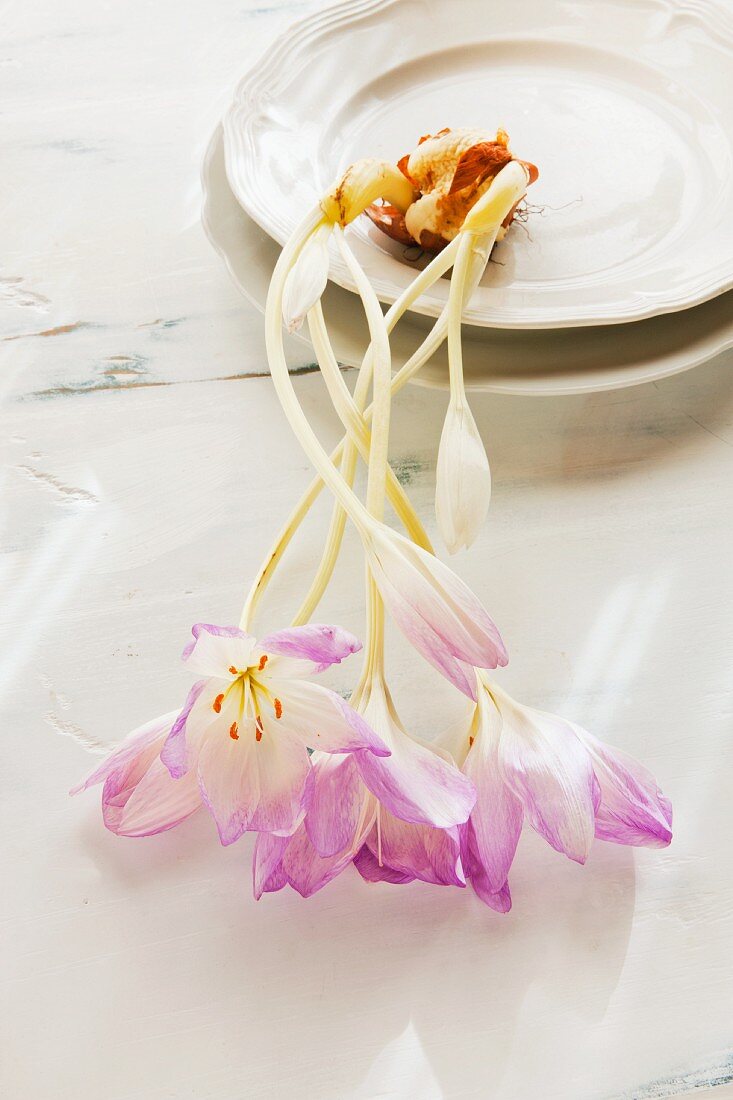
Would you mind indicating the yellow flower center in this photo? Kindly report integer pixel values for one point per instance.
(252, 691)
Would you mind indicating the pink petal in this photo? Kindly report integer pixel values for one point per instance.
(414, 783)
(321, 645)
(150, 804)
(143, 743)
(337, 805)
(550, 771)
(632, 810)
(267, 872)
(426, 641)
(495, 824)
(500, 900)
(253, 785)
(367, 866)
(176, 754)
(322, 719)
(307, 871)
(418, 851)
(215, 648)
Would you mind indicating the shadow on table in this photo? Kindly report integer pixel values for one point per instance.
(371, 990)
(607, 435)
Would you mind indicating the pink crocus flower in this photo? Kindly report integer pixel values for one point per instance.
(435, 610)
(240, 744)
(397, 822)
(529, 765)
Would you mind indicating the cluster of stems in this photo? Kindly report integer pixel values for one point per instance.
(367, 425)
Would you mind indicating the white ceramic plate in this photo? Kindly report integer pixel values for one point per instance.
(542, 363)
(625, 105)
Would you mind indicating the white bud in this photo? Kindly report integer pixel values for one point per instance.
(307, 279)
(463, 479)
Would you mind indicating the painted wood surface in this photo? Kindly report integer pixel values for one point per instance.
(146, 467)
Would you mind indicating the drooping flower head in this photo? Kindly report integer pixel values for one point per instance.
(397, 821)
(435, 610)
(363, 181)
(528, 765)
(240, 744)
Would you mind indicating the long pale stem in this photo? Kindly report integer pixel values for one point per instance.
(379, 442)
(435, 270)
(381, 383)
(352, 418)
(284, 384)
(473, 255)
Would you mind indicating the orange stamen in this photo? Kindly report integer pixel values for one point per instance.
(234, 671)
(471, 740)
(217, 703)
(263, 662)
(278, 708)
(259, 730)
(234, 731)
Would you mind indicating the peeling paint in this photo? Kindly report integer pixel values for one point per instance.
(68, 492)
(13, 290)
(79, 388)
(720, 1072)
(76, 733)
(59, 330)
(407, 468)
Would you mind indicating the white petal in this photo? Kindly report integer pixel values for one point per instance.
(550, 771)
(216, 649)
(463, 479)
(307, 279)
(320, 718)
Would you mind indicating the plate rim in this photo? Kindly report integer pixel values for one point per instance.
(528, 387)
(261, 80)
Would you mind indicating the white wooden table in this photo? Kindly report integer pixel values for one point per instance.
(146, 466)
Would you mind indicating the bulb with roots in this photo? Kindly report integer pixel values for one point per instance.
(449, 172)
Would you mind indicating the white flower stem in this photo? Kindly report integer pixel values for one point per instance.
(473, 255)
(455, 313)
(434, 271)
(284, 384)
(381, 357)
(352, 418)
(423, 281)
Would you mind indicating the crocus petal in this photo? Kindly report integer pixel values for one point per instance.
(216, 649)
(495, 824)
(463, 479)
(267, 872)
(550, 771)
(498, 900)
(420, 590)
(414, 783)
(150, 804)
(321, 718)
(319, 645)
(250, 784)
(419, 851)
(370, 870)
(143, 745)
(176, 752)
(306, 280)
(632, 810)
(307, 871)
(337, 805)
(425, 640)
